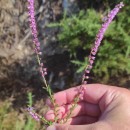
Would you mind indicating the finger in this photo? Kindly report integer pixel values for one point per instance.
(64, 97)
(82, 108)
(93, 93)
(50, 114)
(94, 126)
(81, 120)
(77, 120)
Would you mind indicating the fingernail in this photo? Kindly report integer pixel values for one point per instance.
(51, 128)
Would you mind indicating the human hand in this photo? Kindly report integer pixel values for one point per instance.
(102, 108)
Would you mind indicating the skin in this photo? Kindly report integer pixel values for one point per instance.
(101, 108)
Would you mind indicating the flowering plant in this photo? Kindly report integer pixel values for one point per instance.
(106, 21)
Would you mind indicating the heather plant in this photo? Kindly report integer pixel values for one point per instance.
(108, 19)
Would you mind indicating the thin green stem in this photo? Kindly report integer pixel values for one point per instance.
(48, 89)
(53, 103)
(69, 114)
(39, 62)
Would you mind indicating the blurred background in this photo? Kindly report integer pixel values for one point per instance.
(66, 30)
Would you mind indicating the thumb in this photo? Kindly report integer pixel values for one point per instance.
(94, 126)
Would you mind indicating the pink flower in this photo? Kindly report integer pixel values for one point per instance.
(33, 114)
(36, 42)
(98, 39)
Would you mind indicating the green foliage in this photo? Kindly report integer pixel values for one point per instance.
(4, 108)
(11, 119)
(79, 31)
(30, 99)
(30, 123)
(81, 65)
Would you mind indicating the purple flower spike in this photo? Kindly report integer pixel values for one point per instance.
(33, 114)
(36, 42)
(33, 26)
(98, 39)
